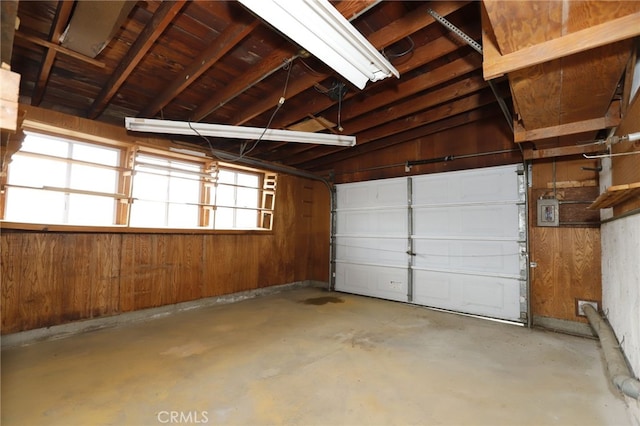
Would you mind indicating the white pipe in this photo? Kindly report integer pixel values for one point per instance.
(616, 363)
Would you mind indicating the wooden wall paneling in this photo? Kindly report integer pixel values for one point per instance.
(42, 280)
(78, 275)
(12, 271)
(127, 273)
(231, 264)
(145, 273)
(568, 258)
(190, 269)
(279, 259)
(50, 278)
(568, 269)
(319, 233)
(302, 225)
(105, 269)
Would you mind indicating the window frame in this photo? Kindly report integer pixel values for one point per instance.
(125, 186)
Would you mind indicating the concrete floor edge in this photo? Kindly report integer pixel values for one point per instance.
(77, 327)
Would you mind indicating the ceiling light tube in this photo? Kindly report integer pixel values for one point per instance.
(319, 28)
(234, 132)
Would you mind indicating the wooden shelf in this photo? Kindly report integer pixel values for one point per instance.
(615, 195)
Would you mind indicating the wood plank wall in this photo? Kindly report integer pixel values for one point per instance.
(488, 134)
(567, 257)
(56, 277)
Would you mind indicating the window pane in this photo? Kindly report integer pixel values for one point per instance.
(37, 172)
(226, 176)
(184, 191)
(226, 195)
(150, 187)
(223, 218)
(45, 145)
(245, 179)
(32, 205)
(91, 210)
(95, 154)
(93, 179)
(182, 216)
(246, 218)
(247, 197)
(148, 214)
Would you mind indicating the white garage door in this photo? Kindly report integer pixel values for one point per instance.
(454, 241)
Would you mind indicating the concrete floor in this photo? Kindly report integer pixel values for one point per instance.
(291, 358)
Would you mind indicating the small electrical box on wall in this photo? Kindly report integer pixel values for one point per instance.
(548, 213)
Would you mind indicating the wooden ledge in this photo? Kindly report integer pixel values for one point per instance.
(616, 195)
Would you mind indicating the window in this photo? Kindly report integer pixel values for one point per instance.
(237, 200)
(57, 181)
(166, 193)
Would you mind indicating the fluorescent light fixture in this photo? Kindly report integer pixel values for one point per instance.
(234, 132)
(318, 27)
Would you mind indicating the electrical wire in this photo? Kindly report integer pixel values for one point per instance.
(244, 152)
(313, 71)
(401, 54)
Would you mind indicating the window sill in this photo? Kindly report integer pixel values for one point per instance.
(23, 226)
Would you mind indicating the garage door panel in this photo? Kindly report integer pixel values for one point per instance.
(391, 222)
(497, 257)
(376, 194)
(480, 295)
(388, 251)
(468, 186)
(461, 250)
(488, 221)
(368, 280)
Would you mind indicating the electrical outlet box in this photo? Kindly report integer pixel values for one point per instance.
(580, 306)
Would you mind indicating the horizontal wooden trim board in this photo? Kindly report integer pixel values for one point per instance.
(579, 41)
(21, 226)
(610, 120)
(563, 151)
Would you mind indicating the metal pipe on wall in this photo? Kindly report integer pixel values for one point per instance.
(616, 364)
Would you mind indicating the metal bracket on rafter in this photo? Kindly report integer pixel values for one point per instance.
(457, 31)
(478, 48)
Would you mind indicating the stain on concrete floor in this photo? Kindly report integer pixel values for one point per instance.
(322, 300)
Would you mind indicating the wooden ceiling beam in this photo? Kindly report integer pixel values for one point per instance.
(611, 119)
(411, 87)
(462, 119)
(277, 59)
(228, 39)
(432, 115)
(563, 151)
(63, 12)
(161, 19)
(394, 32)
(427, 100)
(401, 90)
(23, 38)
(397, 111)
(579, 41)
